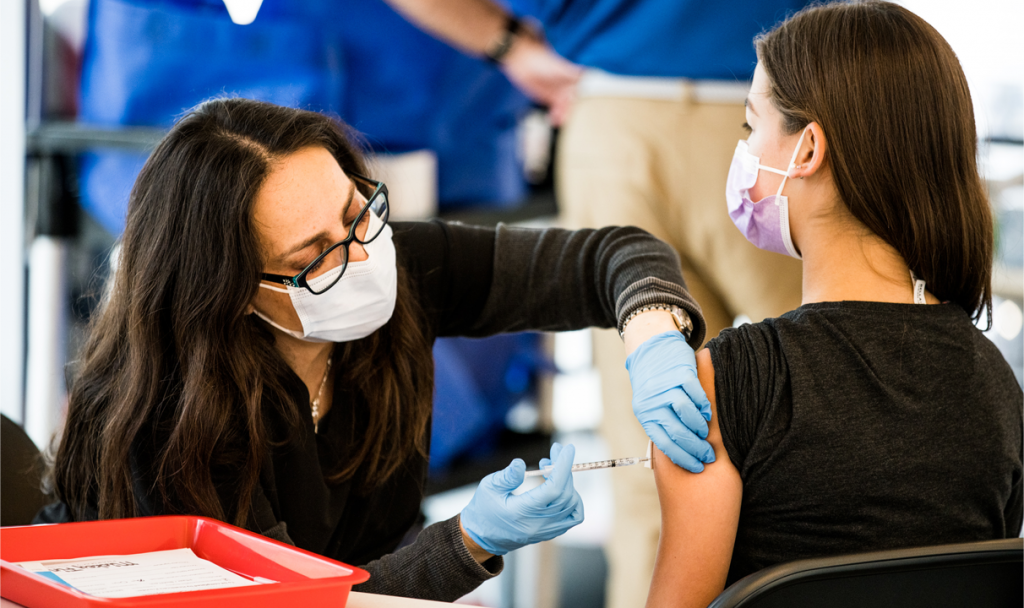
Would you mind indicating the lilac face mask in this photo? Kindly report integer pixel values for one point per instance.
(766, 222)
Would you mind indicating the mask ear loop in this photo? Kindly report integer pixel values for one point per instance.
(792, 165)
(786, 237)
(274, 288)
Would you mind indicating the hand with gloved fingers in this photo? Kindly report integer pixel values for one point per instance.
(669, 401)
(499, 521)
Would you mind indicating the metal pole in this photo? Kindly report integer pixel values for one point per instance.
(56, 222)
(51, 215)
(47, 330)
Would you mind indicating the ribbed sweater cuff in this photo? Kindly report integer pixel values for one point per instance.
(473, 569)
(653, 290)
(437, 566)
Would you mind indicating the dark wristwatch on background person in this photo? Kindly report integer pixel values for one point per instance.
(498, 50)
(679, 316)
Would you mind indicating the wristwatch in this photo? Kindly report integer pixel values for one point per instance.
(508, 37)
(679, 316)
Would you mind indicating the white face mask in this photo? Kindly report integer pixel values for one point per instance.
(360, 303)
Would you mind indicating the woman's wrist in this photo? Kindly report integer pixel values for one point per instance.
(501, 45)
(478, 553)
(647, 325)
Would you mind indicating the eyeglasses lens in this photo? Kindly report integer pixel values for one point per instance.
(338, 256)
(367, 231)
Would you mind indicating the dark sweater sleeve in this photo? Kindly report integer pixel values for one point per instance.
(557, 280)
(476, 281)
(438, 567)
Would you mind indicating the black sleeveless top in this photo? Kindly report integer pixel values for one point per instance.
(860, 426)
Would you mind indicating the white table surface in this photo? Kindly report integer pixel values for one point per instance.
(355, 600)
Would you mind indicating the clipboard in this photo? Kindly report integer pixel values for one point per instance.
(303, 578)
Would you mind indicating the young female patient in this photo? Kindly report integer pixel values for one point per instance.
(876, 415)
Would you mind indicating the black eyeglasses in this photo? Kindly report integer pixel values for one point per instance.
(376, 204)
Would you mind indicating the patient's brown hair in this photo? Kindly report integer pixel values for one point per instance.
(890, 95)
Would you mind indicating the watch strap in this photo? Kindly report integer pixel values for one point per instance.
(508, 37)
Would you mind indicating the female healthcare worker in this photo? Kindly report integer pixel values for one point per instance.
(264, 356)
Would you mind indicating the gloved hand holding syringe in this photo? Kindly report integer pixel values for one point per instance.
(499, 519)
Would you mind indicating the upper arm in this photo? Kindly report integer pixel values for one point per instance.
(699, 516)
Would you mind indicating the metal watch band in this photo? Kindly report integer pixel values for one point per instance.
(680, 316)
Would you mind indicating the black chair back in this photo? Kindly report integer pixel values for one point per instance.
(975, 575)
(20, 494)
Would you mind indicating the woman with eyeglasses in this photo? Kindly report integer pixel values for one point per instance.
(264, 356)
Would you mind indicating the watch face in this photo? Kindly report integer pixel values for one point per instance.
(683, 323)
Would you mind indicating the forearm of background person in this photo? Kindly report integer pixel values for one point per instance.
(699, 517)
(472, 26)
(475, 26)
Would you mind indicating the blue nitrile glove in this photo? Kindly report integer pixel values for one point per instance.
(500, 521)
(669, 401)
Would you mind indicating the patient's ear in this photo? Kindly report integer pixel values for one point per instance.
(811, 156)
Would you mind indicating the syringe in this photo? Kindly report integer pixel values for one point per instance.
(590, 466)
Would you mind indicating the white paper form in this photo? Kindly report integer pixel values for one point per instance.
(140, 574)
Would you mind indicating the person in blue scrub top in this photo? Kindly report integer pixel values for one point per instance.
(264, 354)
(651, 94)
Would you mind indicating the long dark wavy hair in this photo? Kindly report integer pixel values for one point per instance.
(889, 93)
(175, 368)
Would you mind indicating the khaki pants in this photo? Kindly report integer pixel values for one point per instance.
(661, 166)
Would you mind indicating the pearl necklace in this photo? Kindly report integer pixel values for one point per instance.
(315, 404)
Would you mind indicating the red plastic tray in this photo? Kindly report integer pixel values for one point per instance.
(304, 578)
